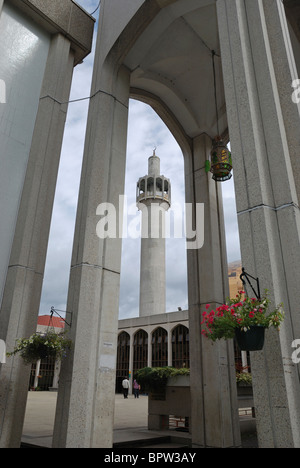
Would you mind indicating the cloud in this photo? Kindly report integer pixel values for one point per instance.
(145, 132)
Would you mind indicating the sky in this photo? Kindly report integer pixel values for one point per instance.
(145, 132)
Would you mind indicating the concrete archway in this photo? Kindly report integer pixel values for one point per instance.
(129, 63)
(163, 52)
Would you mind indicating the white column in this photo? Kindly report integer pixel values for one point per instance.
(153, 260)
(21, 297)
(264, 123)
(37, 373)
(55, 381)
(244, 360)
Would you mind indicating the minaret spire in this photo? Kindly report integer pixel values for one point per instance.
(153, 199)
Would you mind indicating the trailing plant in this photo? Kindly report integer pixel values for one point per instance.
(244, 378)
(240, 313)
(40, 346)
(156, 378)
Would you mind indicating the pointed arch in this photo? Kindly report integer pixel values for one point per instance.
(140, 350)
(123, 354)
(159, 342)
(180, 346)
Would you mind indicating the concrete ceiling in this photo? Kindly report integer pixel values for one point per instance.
(172, 60)
(292, 8)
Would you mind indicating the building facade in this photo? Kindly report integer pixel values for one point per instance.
(163, 340)
(157, 341)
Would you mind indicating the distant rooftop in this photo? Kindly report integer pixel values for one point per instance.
(46, 321)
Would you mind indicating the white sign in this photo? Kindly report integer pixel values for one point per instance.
(296, 93)
(2, 352)
(295, 354)
(2, 92)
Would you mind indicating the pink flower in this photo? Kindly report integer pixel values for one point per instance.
(207, 306)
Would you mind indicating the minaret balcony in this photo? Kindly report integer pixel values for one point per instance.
(150, 187)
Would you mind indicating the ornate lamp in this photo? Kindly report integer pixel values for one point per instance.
(221, 164)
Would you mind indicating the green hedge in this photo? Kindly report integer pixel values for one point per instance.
(156, 378)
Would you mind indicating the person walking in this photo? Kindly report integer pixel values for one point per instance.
(126, 386)
(136, 389)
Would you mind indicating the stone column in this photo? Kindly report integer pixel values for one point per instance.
(264, 124)
(21, 298)
(213, 387)
(86, 397)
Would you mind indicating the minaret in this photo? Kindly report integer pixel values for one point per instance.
(153, 199)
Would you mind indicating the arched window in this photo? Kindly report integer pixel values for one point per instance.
(159, 348)
(159, 187)
(141, 188)
(180, 347)
(122, 359)
(150, 186)
(166, 189)
(140, 350)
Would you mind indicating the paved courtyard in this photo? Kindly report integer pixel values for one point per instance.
(130, 420)
(130, 427)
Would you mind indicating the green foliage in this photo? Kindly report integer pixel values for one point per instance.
(240, 313)
(41, 346)
(156, 378)
(244, 378)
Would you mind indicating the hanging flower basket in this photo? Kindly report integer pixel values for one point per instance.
(42, 346)
(251, 339)
(246, 319)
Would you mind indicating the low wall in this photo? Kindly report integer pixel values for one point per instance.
(175, 401)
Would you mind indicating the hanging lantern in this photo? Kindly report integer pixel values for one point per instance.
(221, 164)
